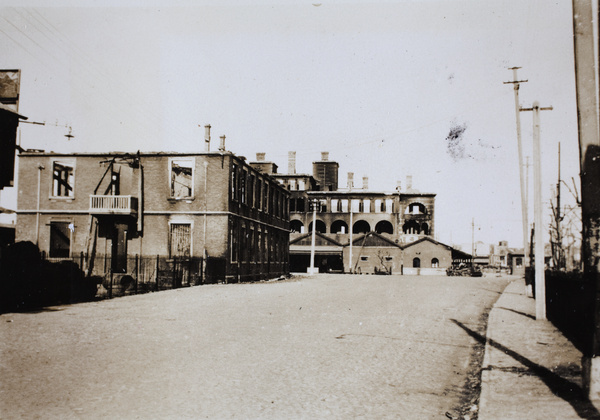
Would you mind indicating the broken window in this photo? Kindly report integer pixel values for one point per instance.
(182, 185)
(62, 178)
(344, 206)
(334, 205)
(60, 240)
(367, 206)
(389, 205)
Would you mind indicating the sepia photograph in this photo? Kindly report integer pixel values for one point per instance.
(287, 209)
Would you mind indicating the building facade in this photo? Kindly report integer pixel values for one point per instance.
(211, 206)
(382, 222)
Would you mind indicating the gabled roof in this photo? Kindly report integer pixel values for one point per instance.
(373, 239)
(426, 239)
(320, 239)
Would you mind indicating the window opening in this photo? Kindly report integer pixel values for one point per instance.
(60, 240)
(181, 178)
(62, 179)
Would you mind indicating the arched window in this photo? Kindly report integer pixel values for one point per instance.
(416, 208)
(384, 227)
(296, 226)
(339, 226)
(416, 262)
(361, 227)
(320, 228)
(435, 263)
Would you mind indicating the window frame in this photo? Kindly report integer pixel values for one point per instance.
(172, 195)
(65, 162)
(190, 223)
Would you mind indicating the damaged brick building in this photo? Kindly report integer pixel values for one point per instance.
(210, 207)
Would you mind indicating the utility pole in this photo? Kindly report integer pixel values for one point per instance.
(351, 229)
(589, 160)
(557, 251)
(313, 239)
(516, 83)
(37, 213)
(540, 282)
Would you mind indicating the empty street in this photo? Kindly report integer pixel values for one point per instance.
(328, 346)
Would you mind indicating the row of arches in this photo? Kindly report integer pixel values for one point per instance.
(340, 226)
(411, 227)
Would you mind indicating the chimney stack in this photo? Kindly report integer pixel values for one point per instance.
(408, 182)
(222, 145)
(398, 186)
(365, 182)
(260, 157)
(207, 138)
(291, 163)
(324, 156)
(350, 180)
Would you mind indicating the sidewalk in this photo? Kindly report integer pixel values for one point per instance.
(530, 370)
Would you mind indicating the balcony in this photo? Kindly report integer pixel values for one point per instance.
(113, 204)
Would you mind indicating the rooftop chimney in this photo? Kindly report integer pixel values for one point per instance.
(398, 186)
(260, 157)
(324, 156)
(350, 180)
(222, 145)
(365, 182)
(408, 182)
(207, 138)
(291, 163)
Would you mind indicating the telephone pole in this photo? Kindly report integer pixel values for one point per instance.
(586, 67)
(313, 237)
(516, 83)
(540, 282)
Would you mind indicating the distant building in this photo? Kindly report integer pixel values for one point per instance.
(382, 223)
(109, 207)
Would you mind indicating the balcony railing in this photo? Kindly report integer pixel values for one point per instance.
(113, 204)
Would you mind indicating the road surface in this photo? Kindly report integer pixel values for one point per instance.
(328, 346)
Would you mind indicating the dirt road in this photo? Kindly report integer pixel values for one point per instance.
(330, 346)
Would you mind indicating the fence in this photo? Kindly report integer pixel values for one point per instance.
(135, 274)
(569, 303)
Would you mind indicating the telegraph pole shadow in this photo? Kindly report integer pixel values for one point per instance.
(563, 388)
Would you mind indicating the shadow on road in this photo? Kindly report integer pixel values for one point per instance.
(567, 390)
(520, 313)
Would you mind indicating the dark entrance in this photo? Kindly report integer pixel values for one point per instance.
(119, 247)
(299, 263)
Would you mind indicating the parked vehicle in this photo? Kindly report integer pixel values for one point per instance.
(464, 270)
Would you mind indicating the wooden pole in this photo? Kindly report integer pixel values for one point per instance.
(589, 153)
(313, 238)
(540, 282)
(524, 212)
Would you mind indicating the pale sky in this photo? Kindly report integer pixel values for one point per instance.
(378, 84)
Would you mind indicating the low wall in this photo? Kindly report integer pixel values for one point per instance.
(412, 271)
